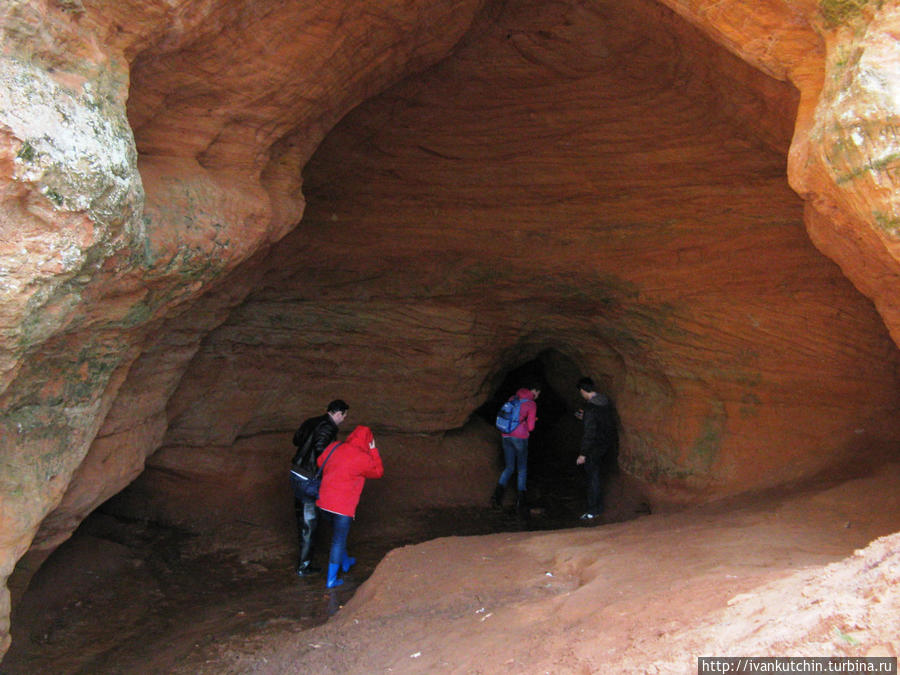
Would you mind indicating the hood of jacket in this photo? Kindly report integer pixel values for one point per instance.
(525, 394)
(361, 437)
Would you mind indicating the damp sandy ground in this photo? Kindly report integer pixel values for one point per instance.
(126, 596)
(773, 574)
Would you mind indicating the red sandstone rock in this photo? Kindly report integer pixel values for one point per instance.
(150, 155)
(628, 213)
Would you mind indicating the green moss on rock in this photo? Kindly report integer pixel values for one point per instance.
(26, 152)
(708, 444)
(838, 12)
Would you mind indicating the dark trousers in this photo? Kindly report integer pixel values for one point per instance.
(592, 469)
(307, 517)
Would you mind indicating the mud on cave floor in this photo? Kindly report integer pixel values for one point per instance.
(126, 596)
(132, 597)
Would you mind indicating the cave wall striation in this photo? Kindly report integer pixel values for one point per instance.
(199, 241)
(567, 180)
(140, 168)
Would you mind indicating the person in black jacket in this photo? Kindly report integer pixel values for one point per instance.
(600, 437)
(311, 438)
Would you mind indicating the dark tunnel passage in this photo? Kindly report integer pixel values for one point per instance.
(556, 484)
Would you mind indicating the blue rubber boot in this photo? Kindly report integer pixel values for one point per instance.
(333, 576)
(347, 563)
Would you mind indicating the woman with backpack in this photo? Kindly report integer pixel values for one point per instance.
(345, 467)
(515, 448)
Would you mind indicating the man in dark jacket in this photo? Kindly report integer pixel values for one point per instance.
(600, 437)
(311, 438)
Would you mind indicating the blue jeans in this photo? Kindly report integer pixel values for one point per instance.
(340, 528)
(515, 454)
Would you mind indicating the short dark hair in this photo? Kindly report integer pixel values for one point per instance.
(337, 405)
(586, 384)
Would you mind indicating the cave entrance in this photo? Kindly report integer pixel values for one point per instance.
(556, 484)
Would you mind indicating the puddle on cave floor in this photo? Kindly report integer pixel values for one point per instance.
(133, 597)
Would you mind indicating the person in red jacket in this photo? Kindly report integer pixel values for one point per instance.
(515, 450)
(346, 465)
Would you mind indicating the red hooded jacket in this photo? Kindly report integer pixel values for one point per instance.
(527, 414)
(346, 471)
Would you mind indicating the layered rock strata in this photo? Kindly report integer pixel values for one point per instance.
(609, 180)
(565, 180)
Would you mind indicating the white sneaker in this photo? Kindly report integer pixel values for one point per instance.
(588, 516)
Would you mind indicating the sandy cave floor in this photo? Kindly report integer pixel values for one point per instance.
(772, 574)
(126, 596)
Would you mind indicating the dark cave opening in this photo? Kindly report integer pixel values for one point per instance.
(556, 484)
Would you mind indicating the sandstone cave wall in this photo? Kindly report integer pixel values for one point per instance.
(624, 203)
(150, 150)
(114, 263)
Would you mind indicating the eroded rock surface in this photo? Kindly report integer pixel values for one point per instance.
(98, 293)
(609, 180)
(619, 198)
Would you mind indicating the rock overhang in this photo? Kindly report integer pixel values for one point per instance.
(224, 137)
